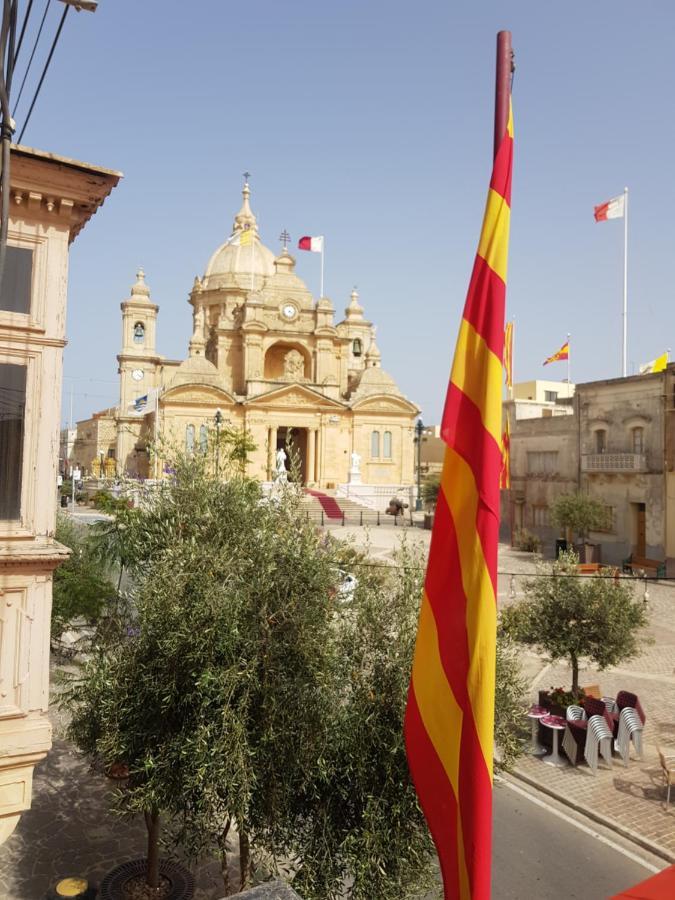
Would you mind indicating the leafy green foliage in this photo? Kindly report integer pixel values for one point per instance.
(81, 590)
(247, 689)
(430, 488)
(510, 706)
(527, 541)
(579, 513)
(569, 616)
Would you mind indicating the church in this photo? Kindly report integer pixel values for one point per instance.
(264, 356)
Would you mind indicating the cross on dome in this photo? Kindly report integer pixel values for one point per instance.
(245, 218)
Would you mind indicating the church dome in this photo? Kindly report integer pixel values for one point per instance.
(243, 261)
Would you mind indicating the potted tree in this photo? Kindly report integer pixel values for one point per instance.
(569, 617)
(576, 515)
(430, 490)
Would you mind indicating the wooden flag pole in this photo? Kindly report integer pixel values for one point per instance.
(504, 71)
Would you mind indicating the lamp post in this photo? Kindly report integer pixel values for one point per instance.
(218, 418)
(419, 428)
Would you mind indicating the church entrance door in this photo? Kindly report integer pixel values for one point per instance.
(294, 442)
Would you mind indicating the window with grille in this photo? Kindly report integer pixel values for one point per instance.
(203, 438)
(375, 444)
(190, 438)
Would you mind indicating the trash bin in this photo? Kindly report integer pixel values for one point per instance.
(64, 500)
(560, 547)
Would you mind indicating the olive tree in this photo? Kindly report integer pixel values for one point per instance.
(578, 513)
(571, 616)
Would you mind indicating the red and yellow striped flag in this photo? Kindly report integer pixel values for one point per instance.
(505, 475)
(449, 720)
(508, 355)
(563, 353)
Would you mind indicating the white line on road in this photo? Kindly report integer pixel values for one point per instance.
(596, 834)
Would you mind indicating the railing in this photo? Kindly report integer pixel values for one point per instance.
(614, 462)
(361, 517)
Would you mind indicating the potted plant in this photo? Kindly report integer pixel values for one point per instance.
(430, 489)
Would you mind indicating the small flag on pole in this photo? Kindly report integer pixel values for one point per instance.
(145, 404)
(315, 244)
(508, 355)
(613, 209)
(563, 353)
(505, 477)
(656, 365)
(450, 713)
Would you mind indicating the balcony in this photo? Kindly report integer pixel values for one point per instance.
(621, 463)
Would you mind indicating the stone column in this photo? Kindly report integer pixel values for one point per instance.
(271, 451)
(311, 455)
(319, 455)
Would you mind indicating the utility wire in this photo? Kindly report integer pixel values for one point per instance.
(23, 31)
(44, 71)
(30, 61)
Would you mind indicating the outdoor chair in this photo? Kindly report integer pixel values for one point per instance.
(630, 729)
(578, 727)
(573, 748)
(598, 741)
(611, 705)
(668, 767)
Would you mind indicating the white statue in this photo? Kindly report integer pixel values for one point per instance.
(281, 473)
(356, 462)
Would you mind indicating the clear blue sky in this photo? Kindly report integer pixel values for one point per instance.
(371, 123)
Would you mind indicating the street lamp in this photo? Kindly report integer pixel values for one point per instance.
(419, 428)
(218, 418)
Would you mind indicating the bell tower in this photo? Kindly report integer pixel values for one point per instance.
(138, 362)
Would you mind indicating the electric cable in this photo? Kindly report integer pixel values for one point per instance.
(23, 31)
(30, 61)
(44, 71)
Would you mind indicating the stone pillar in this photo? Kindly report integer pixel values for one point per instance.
(311, 455)
(319, 455)
(271, 452)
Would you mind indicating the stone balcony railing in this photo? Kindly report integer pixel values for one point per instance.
(614, 462)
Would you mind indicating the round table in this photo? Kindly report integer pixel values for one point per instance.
(535, 713)
(556, 724)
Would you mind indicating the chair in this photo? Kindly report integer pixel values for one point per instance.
(570, 745)
(598, 739)
(668, 766)
(578, 727)
(611, 704)
(630, 729)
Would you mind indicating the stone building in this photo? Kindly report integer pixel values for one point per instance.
(273, 360)
(618, 445)
(51, 199)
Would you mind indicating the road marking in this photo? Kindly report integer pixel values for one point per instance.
(596, 834)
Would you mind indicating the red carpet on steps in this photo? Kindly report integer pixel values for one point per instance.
(329, 505)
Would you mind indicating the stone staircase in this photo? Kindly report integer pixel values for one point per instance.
(354, 513)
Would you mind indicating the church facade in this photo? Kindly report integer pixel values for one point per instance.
(272, 360)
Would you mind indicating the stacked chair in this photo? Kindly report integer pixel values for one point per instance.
(592, 731)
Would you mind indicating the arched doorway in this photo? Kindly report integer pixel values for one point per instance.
(294, 442)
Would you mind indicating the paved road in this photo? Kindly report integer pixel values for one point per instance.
(539, 856)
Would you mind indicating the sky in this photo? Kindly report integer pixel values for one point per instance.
(370, 123)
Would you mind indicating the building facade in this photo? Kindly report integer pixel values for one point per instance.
(51, 200)
(617, 445)
(273, 360)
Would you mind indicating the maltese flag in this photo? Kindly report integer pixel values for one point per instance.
(613, 209)
(315, 244)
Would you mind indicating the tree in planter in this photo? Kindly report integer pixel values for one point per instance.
(571, 617)
(578, 514)
(430, 488)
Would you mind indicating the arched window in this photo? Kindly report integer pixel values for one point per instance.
(638, 440)
(386, 445)
(139, 333)
(357, 347)
(203, 438)
(600, 440)
(375, 444)
(190, 438)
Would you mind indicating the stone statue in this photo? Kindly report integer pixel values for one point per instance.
(356, 462)
(294, 366)
(281, 474)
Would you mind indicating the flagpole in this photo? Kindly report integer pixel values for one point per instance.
(323, 242)
(624, 354)
(569, 351)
